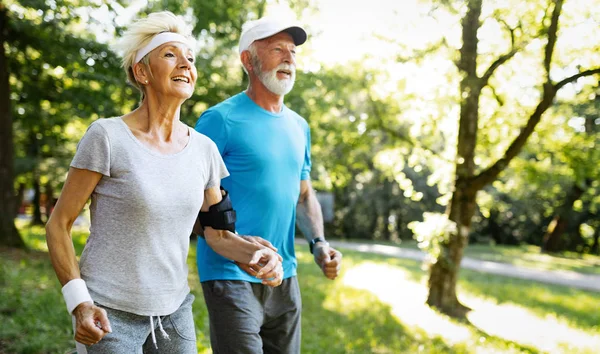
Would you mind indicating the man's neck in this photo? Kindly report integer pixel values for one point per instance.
(264, 98)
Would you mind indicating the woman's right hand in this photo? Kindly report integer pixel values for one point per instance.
(91, 323)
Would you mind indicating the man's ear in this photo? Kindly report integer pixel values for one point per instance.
(246, 59)
(140, 72)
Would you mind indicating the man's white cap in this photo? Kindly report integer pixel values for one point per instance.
(267, 27)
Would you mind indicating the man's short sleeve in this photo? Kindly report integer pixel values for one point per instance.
(93, 151)
(216, 169)
(212, 124)
(306, 167)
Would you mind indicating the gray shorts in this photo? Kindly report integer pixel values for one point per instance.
(251, 318)
(131, 333)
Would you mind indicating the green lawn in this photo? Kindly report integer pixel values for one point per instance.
(374, 307)
(527, 256)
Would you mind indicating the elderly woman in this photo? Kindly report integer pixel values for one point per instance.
(148, 175)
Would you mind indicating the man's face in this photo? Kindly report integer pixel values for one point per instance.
(274, 62)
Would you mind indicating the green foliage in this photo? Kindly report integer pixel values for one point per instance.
(433, 233)
(60, 77)
(384, 127)
(563, 155)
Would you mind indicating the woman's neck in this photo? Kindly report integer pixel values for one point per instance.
(159, 118)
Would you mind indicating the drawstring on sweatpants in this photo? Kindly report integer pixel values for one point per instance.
(164, 333)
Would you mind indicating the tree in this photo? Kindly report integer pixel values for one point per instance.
(9, 235)
(468, 180)
(57, 75)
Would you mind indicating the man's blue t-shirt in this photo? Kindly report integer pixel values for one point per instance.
(267, 154)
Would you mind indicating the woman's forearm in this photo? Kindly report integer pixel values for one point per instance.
(229, 245)
(62, 252)
(77, 189)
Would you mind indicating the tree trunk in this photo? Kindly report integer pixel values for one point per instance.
(444, 272)
(386, 233)
(36, 218)
(9, 235)
(596, 246)
(49, 205)
(19, 198)
(560, 222)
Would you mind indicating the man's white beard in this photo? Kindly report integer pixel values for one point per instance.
(275, 85)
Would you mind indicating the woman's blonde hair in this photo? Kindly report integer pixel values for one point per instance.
(141, 33)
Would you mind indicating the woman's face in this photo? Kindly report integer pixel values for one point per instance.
(173, 71)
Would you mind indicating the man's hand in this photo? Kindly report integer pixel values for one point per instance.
(91, 323)
(261, 265)
(328, 259)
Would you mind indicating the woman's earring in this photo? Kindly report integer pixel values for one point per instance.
(146, 81)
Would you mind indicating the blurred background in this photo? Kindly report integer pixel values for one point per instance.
(443, 132)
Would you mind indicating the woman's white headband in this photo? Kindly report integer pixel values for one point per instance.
(159, 40)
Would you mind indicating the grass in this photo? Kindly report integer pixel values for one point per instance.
(376, 306)
(527, 256)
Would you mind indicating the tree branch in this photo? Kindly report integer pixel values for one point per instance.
(552, 35)
(489, 175)
(570, 79)
(511, 30)
(496, 64)
(514, 49)
(548, 93)
(496, 96)
(419, 54)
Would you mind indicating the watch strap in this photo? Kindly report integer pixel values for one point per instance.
(313, 242)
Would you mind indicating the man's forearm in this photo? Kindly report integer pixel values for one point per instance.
(309, 217)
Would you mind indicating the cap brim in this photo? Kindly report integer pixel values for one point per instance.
(297, 33)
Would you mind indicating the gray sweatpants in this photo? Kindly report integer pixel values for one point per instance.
(251, 318)
(132, 334)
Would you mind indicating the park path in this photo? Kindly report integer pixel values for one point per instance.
(566, 278)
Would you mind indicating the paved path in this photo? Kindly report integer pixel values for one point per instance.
(566, 278)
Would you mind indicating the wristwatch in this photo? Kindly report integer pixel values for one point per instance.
(314, 241)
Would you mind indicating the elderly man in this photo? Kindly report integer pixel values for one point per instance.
(266, 148)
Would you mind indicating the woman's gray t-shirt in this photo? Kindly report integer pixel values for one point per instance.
(142, 214)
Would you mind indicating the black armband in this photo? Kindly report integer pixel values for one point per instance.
(220, 216)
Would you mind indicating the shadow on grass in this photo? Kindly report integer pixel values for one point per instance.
(537, 301)
(573, 305)
(578, 307)
(340, 319)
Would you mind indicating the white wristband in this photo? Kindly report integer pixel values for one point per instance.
(75, 292)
